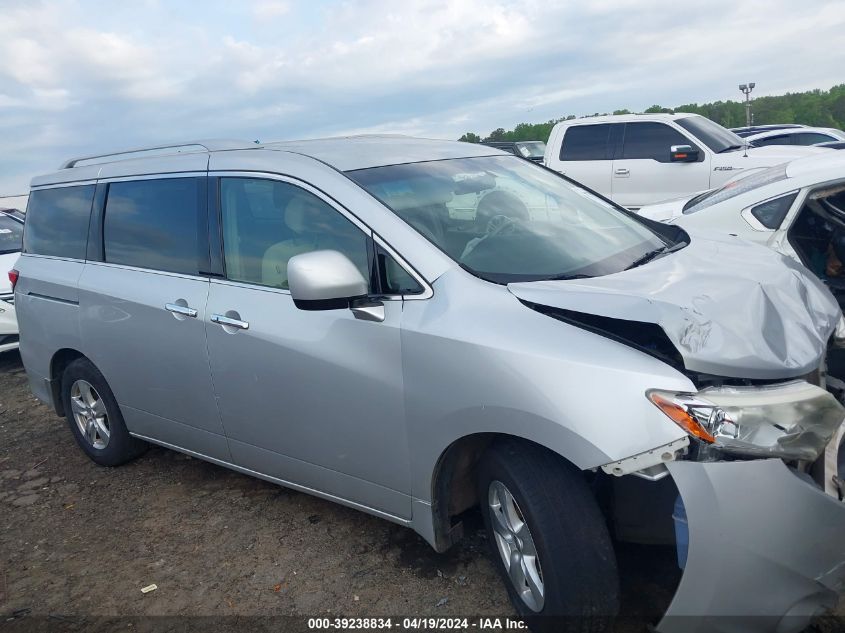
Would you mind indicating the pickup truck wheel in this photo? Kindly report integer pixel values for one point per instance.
(548, 539)
(94, 416)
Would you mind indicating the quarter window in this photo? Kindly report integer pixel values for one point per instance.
(651, 140)
(57, 221)
(586, 142)
(771, 213)
(155, 224)
(266, 222)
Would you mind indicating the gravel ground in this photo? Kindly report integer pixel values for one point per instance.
(79, 541)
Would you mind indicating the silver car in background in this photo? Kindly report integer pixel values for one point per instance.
(322, 315)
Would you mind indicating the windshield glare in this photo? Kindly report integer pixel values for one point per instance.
(710, 133)
(736, 188)
(506, 220)
(11, 235)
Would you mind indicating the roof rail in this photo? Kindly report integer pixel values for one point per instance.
(207, 145)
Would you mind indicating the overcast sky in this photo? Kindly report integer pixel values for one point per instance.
(78, 77)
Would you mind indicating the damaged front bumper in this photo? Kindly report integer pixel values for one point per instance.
(766, 548)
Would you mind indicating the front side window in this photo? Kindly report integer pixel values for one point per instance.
(651, 140)
(155, 224)
(506, 219)
(57, 221)
(266, 222)
(11, 235)
(586, 142)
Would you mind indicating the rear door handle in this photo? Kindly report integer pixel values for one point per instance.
(229, 321)
(180, 309)
(622, 172)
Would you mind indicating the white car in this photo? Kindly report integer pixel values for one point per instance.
(796, 136)
(797, 209)
(11, 234)
(639, 159)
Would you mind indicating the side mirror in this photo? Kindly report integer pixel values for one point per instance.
(683, 154)
(324, 280)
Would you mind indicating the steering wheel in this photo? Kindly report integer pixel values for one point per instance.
(498, 224)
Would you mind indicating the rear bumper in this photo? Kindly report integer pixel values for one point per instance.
(766, 549)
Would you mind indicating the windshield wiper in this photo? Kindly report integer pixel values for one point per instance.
(567, 277)
(663, 250)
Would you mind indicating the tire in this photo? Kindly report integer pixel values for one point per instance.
(577, 566)
(94, 416)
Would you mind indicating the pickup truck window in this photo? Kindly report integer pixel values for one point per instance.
(711, 134)
(651, 140)
(586, 142)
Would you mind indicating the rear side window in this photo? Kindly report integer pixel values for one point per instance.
(155, 224)
(781, 139)
(651, 140)
(586, 142)
(57, 221)
(810, 138)
(772, 212)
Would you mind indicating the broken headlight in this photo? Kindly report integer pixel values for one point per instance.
(792, 421)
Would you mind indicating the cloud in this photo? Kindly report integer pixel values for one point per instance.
(77, 76)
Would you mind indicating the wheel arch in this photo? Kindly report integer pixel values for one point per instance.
(453, 481)
(58, 363)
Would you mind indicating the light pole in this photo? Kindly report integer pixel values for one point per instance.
(746, 90)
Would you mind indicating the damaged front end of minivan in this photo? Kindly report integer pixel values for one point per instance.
(752, 495)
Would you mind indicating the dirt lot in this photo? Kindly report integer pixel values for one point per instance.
(79, 541)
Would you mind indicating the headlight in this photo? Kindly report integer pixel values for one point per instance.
(793, 420)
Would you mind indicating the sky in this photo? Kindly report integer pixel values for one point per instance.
(79, 77)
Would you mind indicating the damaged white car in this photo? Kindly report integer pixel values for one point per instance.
(343, 324)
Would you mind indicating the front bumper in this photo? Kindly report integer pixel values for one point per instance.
(8, 323)
(766, 549)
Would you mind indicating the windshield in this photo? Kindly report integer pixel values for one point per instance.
(532, 149)
(506, 220)
(736, 188)
(11, 235)
(712, 134)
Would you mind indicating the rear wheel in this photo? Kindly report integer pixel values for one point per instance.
(548, 539)
(94, 416)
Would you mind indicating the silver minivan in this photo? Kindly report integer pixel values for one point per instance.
(416, 328)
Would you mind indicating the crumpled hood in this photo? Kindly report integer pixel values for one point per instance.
(731, 308)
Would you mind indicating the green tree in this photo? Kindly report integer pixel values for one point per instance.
(470, 137)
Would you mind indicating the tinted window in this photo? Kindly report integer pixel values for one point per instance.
(155, 224)
(586, 142)
(810, 138)
(266, 222)
(11, 235)
(780, 139)
(771, 214)
(651, 140)
(57, 221)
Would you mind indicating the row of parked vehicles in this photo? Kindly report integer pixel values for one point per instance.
(419, 328)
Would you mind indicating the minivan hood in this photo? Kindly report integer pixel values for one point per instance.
(729, 307)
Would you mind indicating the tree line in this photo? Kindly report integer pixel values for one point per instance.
(823, 108)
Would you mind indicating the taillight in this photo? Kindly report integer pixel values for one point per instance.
(13, 277)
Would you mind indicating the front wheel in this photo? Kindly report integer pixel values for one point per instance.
(549, 539)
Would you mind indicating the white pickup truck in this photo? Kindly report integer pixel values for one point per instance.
(639, 159)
